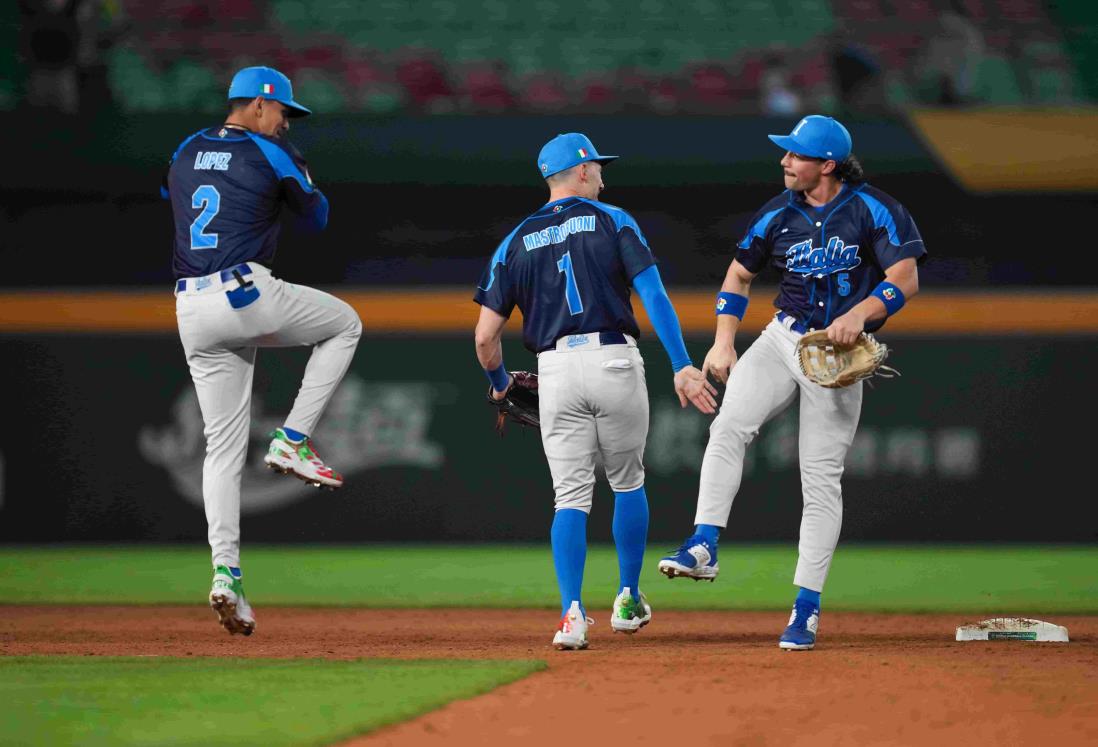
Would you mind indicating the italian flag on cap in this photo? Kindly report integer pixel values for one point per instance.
(268, 88)
(583, 152)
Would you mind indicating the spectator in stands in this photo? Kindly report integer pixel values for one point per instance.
(777, 95)
(62, 44)
(50, 38)
(857, 73)
(947, 70)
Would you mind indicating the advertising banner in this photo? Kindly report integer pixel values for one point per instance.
(983, 439)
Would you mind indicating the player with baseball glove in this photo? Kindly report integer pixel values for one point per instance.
(830, 364)
(847, 256)
(519, 402)
(570, 267)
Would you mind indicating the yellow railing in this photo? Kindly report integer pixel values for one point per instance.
(451, 310)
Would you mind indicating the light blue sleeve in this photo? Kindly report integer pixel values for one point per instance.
(649, 287)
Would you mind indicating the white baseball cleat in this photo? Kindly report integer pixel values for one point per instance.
(228, 602)
(630, 615)
(571, 634)
(299, 458)
(696, 559)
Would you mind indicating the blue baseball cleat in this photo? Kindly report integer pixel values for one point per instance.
(803, 624)
(696, 559)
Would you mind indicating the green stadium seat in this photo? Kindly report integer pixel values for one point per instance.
(320, 89)
(293, 14)
(135, 86)
(996, 82)
(194, 87)
(1052, 85)
(897, 91)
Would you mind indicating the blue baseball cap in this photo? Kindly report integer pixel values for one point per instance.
(268, 83)
(567, 150)
(817, 136)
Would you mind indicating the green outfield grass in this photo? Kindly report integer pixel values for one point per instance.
(1010, 579)
(153, 701)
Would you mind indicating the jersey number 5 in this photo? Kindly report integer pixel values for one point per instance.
(571, 290)
(208, 199)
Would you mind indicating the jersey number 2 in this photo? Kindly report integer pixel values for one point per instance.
(208, 199)
(571, 290)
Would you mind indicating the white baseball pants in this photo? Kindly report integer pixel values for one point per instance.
(763, 383)
(593, 403)
(220, 343)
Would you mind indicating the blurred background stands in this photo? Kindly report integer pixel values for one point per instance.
(486, 56)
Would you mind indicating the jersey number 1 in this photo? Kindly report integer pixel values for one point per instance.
(208, 199)
(571, 290)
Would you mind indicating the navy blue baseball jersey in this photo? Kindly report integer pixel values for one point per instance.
(568, 268)
(227, 186)
(832, 257)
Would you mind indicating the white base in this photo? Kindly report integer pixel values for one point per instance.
(1013, 629)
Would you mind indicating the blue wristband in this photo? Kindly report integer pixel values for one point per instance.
(498, 377)
(731, 303)
(891, 296)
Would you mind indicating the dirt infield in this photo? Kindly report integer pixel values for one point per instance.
(690, 677)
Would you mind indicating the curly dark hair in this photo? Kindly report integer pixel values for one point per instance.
(850, 170)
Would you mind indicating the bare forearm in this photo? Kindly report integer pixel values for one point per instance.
(735, 281)
(487, 336)
(489, 352)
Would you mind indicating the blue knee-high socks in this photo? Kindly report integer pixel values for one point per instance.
(569, 537)
(709, 532)
(630, 537)
(809, 596)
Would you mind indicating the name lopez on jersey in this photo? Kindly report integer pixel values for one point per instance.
(557, 234)
(216, 160)
(835, 257)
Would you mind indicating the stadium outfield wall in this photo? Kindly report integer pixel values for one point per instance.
(980, 440)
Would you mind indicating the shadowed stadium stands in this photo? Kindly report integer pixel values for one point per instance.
(665, 56)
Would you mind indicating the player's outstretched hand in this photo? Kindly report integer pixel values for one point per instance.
(845, 329)
(719, 362)
(692, 386)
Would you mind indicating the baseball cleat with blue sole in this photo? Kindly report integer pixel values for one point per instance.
(803, 624)
(696, 559)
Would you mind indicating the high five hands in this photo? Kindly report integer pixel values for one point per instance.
(691, 385)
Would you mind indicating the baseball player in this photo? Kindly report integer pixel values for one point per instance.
(847, 254)
(227, 185)
(569, 268)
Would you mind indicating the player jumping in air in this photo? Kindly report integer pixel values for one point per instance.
(847, 254)
(569, 268)
(227, 185)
